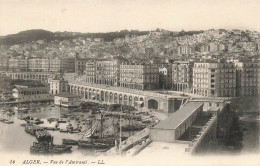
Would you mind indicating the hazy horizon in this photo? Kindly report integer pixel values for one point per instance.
(87, 16)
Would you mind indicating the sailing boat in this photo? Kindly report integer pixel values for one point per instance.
(88, 140)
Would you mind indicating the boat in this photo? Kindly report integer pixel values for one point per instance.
(62, 121)
(45, 147)
(52, 128)
(23, 110)
(8, 121)
(23, 124)
(43, 135)
(52, 119)
(64, 130)
(90, 140)
(136, 127)
(91, 144)
(31, 129)
(2, 119)
(38, 121)
(69, 142)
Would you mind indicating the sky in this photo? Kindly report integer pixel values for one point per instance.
(116, 15)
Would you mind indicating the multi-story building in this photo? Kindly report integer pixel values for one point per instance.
(103, 71)
(27, 93)
(58, 85)
(107, 72)
(247, 78)
(185, 49)
(4, 64)
(142, 77)
(67, 100)
(90, 71)
(40, 76)
(80, 64)
(182, 76)
(16, 64)
(66, 65)
(165, 77)
(214, 79)
(41, 65)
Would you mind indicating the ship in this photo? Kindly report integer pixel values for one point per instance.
(136, 127)
(101, 141)
(31, 129)
(69, 142)
(45, 147)
(89, 140)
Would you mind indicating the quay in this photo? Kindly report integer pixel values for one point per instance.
(189, 130)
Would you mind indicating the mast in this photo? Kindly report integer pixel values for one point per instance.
(91, 129)
(101, 127)
(120, 130)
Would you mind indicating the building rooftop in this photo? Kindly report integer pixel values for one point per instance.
(173, 121)
(68, 95)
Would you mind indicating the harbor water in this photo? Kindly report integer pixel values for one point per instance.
(14, 139)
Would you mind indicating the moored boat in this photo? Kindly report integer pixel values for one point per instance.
(49, 148)
(69, 142)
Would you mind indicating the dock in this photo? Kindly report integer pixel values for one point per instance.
(130, 142)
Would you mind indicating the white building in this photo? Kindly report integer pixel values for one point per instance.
(58, 86)
(66, 100)
(30, 94)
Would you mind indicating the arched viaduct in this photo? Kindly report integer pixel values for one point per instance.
(138, 99)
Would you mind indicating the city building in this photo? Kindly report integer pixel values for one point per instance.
(27, 93)
(90, 71)
(40, 76)
(172, 128)
(66, 100)
(58, 85)
(107, 72)
(39, 65)
(64, 65)
(80, 64)
(103, 71)
(165, 77)
(182, 76)
(185, 50)
(4, 64)
(214, 79)
(247, 78)
(141, 77)
(18, 64)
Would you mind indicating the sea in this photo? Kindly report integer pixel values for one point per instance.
(14, 139)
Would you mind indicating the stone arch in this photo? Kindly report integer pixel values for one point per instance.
(130, 100)
(102, 96)
(120, 97)
(111, 96)
(86, 93)
(135, 101)
(125, 99)
(97, 94)
(106, 96)
(153, 104)
(141, 102)
(115, 98)
(82, 92)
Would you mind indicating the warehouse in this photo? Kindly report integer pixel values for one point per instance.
(175, 125)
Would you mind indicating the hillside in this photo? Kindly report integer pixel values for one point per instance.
(39, 34)
(26, 37)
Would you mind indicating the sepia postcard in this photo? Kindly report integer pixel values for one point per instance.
(129, 82)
